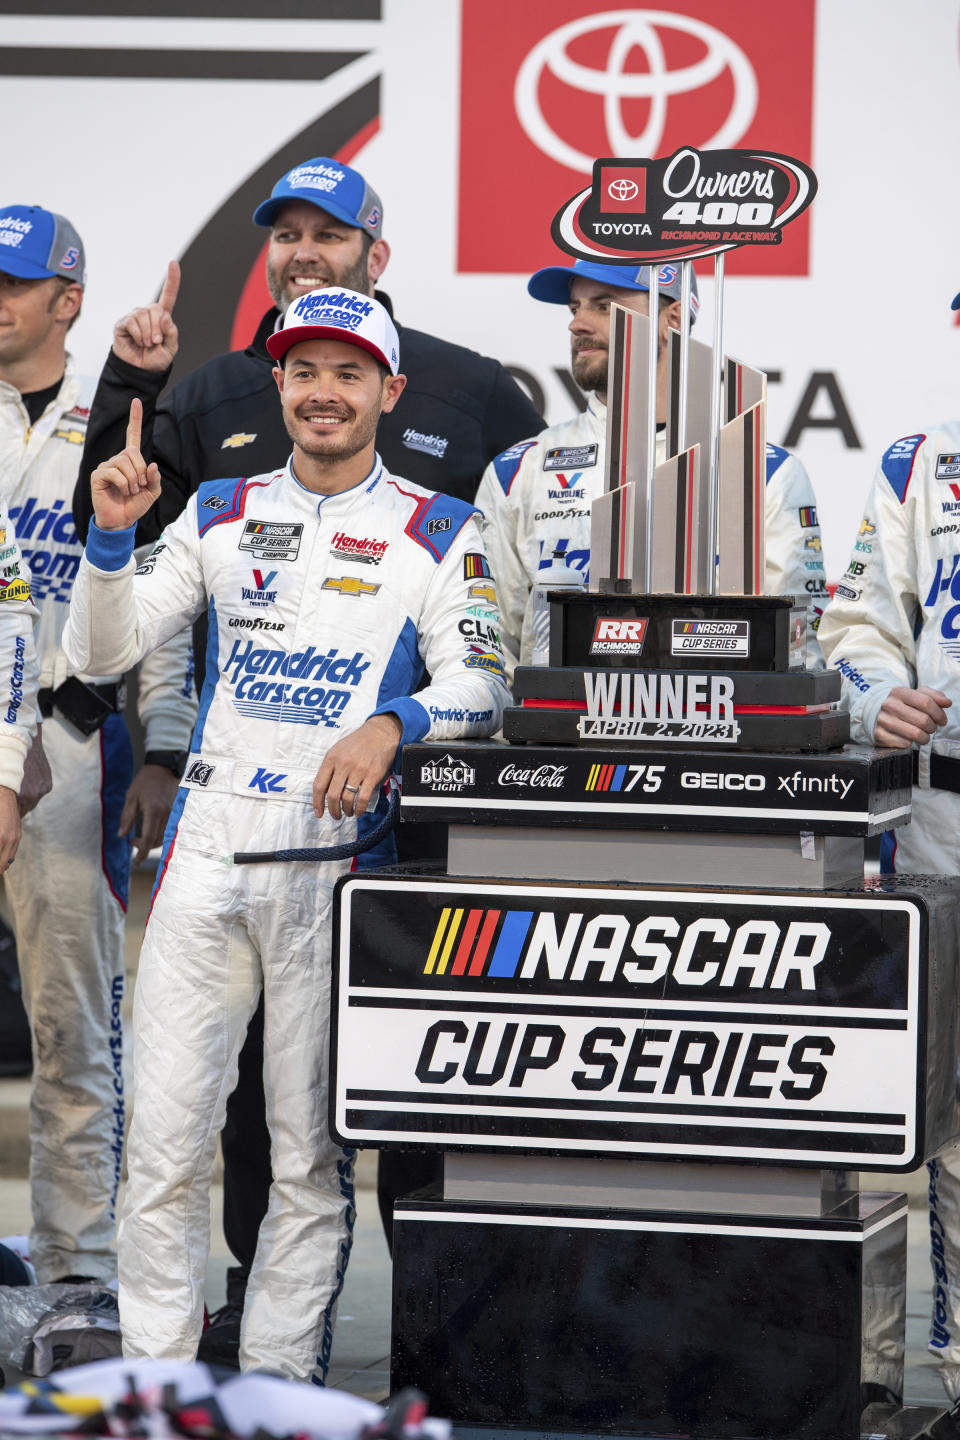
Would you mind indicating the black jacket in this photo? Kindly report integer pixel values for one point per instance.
(458, 411)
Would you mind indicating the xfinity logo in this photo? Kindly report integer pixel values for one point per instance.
(543, 777)
(449, 776)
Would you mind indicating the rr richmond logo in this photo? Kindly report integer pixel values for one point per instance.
(524, 945)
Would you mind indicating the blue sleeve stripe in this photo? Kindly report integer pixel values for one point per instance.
(109, 549)
(411, 714)
(506, 465)
(898, 462)
(775, 458)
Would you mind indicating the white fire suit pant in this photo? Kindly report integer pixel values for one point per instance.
(68, 892)
(930, 844)
(216, 933)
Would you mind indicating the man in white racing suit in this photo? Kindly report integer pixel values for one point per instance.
(536, 496)
(892, 629)
(330, 585)
(18, 686)
(68, 890)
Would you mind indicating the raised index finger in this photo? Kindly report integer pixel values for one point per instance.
(134, 424)
(171, 286)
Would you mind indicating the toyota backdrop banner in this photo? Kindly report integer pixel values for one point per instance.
(157, 127)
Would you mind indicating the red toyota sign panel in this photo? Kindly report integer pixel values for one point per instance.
(550, 85)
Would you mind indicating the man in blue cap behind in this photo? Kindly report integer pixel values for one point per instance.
(536, 496)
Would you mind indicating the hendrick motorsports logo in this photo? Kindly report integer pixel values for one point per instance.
(447, 776)
(711, 637)
(695, 202)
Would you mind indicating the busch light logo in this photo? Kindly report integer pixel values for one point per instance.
(341, 308)
(277, 685)
(448, 776)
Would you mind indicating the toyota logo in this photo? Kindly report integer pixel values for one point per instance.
(634, 29)
(623, 190)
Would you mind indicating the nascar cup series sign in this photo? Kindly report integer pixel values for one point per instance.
(695, 203)
(630, 1021)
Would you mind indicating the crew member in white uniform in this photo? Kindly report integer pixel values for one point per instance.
(536, 496)
(68, 889)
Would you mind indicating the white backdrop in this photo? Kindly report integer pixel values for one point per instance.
(141, 164)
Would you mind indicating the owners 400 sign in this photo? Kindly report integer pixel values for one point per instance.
(629, 1021)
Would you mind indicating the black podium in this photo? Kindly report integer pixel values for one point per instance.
(658, 1023)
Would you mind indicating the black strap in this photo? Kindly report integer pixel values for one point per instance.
(944, 772)
(111, 694)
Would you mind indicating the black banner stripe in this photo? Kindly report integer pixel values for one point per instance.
(201, 10)
(814, 1141)
(632, 1107)
(81, 62)
(470, 1001)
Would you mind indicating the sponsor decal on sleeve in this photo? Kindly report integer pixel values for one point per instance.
(808, 516)
(475, 567)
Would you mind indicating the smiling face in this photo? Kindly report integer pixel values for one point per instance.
(333, 394)
(310, 250)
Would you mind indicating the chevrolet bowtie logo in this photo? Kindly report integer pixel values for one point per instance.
(76, 437)
(232, 441)
(483, 592)
(349, 585)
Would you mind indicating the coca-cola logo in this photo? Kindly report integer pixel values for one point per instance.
(559, 87)
(536, 777)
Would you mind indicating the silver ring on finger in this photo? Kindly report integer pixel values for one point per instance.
(352, 788)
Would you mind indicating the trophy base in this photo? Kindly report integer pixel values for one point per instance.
(749, 710)
(676, 632)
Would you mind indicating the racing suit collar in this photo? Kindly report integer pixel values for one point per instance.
(316, 502)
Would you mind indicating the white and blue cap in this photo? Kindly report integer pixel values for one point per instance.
(552, 284)
(338, 314)
(331, 186)
(36, 244)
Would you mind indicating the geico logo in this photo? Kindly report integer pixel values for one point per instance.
(716, 780)
(646, 1060)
